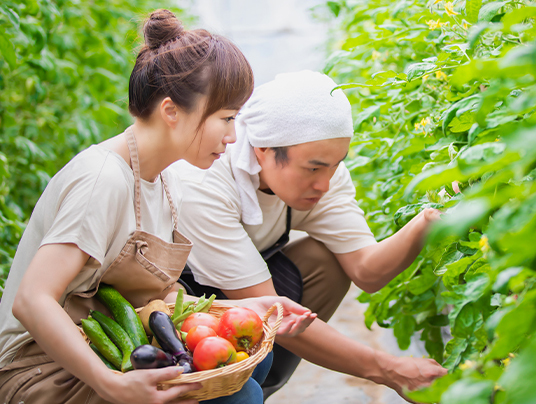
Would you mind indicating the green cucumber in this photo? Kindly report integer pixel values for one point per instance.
(118, 336)
(106, 347)
(106, 361)
(123, 313)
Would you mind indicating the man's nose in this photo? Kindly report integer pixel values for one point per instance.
(322, 184)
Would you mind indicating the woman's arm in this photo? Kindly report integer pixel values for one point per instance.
(36, 307)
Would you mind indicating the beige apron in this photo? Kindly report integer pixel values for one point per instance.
(145, 269)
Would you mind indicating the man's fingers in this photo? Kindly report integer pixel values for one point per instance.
(290, 306)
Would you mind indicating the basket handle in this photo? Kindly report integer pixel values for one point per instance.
(275, 327)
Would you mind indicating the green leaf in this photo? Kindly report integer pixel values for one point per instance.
(518, 376)
(334, 7)
(418, 70)
(408, 212)
(490, 10)
(373, 111)
(8, 51)
(517, 15)
(433, 393)
(403, 330)
(472, 8)
(469, 391)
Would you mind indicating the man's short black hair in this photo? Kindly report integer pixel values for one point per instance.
(281, 156)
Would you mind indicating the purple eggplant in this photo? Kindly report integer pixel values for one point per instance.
(165, 333)
(150, 357)
(187, 364)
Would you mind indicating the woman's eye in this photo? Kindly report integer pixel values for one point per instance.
(313, 169)
(229, 119)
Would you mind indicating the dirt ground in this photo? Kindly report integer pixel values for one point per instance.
(312, 384)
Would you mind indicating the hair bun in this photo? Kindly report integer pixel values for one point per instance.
(162, 26)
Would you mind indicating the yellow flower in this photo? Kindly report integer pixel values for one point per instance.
(435, 24)
(436, 1)
(422, 124)
(375, 55)
(483, 244)
(506, 361)
(449, 8)
(465, 25)
(440, 75)
(467, 365)
(425, 77)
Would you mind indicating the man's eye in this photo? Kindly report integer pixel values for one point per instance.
(313, 169)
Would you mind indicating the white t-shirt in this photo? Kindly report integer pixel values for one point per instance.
(89, 202)
(226, 251)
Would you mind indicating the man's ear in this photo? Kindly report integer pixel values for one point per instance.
(261, 153)
(169, 112)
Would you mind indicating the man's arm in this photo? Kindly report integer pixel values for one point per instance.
(323, 345)
(373, 267)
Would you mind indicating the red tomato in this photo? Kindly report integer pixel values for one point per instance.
(213, 352)
(200, 319)
(196, 334)
(242, 327)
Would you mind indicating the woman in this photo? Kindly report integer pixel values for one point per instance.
(110, 215)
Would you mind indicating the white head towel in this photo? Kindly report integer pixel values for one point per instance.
(292, 109)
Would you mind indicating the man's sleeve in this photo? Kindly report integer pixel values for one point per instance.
(223, 255)
(336, 220)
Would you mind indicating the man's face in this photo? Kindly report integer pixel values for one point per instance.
(304, 178)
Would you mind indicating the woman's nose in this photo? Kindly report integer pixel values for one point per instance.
(230, 137)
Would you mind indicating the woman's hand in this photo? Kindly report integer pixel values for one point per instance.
(296, 318)
(140, 386)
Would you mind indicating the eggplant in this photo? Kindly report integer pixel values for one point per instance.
(187, 364)
(151, 357)
(166, 335)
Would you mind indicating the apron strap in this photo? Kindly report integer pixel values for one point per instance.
(283, 240)
(134, 160)
(171, 204)
(133, 149)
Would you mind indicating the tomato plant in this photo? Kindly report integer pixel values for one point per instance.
(214, 352)
(196, 334)
(242, 327)
(444, 101)
(201, 318)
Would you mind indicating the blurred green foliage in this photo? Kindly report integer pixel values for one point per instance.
(444, 98)
(64, 69)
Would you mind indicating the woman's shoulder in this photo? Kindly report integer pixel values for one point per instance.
(99, 163)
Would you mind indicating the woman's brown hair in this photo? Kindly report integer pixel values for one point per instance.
(183, 65)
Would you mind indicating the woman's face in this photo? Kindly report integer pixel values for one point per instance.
(208, 143)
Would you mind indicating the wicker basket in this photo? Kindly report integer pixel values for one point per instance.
(228, 379)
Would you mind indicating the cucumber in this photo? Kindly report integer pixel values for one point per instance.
(118, 336)
(123, 313)
(106, 361)
(106, 347)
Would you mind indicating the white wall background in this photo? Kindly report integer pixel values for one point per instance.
(275, 35)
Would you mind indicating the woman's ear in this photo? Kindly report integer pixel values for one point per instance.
(169, 112)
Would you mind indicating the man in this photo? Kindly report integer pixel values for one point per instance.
(286, 172)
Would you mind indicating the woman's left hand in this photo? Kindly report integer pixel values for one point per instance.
(296, 318)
